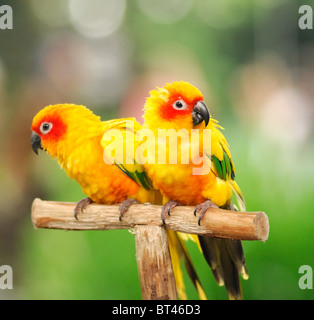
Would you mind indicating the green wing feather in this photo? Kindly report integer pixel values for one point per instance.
(136, 174)
(127, 164)
(224, 169)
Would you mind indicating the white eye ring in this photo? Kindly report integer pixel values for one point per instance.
(45, 127)
(180, 105)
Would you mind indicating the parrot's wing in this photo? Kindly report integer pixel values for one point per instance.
(222, 165)
(121, 153)
(224, 169)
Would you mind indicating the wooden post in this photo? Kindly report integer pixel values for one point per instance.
(154, 263)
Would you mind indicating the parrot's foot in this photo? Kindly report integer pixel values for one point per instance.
(81, 206)
(125, 206)
(203, 207)
(166, 209)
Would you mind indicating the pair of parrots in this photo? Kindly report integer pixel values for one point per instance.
(75, 136)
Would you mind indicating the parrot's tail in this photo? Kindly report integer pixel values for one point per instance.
(178, 251)
(226, 259)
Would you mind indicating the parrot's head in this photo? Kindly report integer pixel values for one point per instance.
(54, 127)
(177, 105)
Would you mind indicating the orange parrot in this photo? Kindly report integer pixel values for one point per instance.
(180, 106)
(75, 136)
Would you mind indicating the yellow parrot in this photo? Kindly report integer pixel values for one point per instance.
(77, 138)
(180, 106)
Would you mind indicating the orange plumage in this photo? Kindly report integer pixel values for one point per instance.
(180, 106)
(74, 136)
(184, 186)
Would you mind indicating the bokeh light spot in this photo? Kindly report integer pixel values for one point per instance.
(166, 11)
(97, 18)
(228, 14)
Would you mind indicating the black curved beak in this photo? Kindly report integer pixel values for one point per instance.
(36, 142)
(200, 113)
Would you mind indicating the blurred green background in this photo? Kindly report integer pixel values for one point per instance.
(255, 68)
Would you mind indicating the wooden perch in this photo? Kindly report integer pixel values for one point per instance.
(216, 223)
(152, 250)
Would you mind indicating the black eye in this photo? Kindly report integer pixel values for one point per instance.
(179, 105)
(45, 127)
